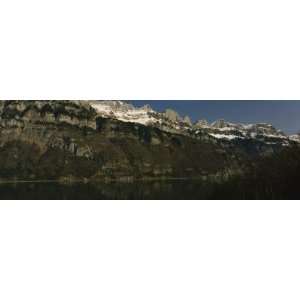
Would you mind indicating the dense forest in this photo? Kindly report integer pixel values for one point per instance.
(272, 177)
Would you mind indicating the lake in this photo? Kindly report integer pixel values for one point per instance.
(172, 189)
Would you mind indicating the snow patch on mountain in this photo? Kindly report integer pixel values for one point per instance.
(171, 121)
(125, 112)
(226, 136)
(295, 138)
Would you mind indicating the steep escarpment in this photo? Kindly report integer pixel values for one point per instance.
(44, 112)
(68, 139)
(51, 140)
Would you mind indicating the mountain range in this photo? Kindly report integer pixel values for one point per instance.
(171, 121)
(113, 140)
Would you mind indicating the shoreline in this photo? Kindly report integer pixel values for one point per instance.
(86, 181)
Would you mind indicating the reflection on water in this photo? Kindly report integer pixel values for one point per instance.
(175, 189)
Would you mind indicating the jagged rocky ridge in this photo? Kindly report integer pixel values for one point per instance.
(114, 140)
(171, 121)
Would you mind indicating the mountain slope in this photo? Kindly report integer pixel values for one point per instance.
(68, 139)
(114, 140)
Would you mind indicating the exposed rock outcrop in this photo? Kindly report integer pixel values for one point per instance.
(61, 139)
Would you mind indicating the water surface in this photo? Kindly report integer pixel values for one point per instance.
(173, 189)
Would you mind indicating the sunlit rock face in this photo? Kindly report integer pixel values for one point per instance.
(172, 115)
(187, 120)
(23, 113)
(201, 124)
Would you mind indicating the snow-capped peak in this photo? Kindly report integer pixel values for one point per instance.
(201, 124)
(220, 124)
(171, 121)
(172, 115)
(124, 111)
(187, 120)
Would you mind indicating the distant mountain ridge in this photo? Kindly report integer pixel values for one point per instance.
(171, 121)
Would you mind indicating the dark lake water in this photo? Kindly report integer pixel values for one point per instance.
(174, 189)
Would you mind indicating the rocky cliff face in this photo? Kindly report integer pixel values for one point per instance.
(69, 139)
(114, 140)
(43, 122)
(22, 113)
